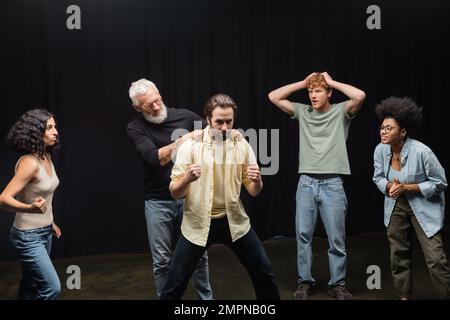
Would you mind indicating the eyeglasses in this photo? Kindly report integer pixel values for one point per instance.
(149, 106)
(386, 128)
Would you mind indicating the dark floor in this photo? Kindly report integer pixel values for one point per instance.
(129, 276)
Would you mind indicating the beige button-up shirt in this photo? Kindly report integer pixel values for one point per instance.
(199, 197)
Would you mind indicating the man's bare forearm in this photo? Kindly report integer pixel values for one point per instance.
(350, 91)
(285, 91)
(255, 188)
(165, 153)
(179, 188)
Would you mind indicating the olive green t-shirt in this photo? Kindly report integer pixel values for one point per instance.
(323, 137)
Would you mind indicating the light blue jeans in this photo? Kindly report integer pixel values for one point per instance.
(326, 197)
(39, 277)
(163, 229)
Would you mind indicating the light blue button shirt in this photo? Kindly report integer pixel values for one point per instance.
(419, 166)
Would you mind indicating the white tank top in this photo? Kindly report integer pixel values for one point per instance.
(44, 186)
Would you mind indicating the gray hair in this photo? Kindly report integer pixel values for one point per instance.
(139, 88)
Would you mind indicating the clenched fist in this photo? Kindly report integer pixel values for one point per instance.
(253, 173)
(194, 172)
(39, 205)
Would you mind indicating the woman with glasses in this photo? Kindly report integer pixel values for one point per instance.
(413, 182)
(29, 194)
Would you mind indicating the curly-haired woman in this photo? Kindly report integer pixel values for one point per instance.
(30, 194)
(413, 182)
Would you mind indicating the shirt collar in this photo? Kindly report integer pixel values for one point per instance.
(207, 138)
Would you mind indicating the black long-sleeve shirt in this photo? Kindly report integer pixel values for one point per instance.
(149, 137)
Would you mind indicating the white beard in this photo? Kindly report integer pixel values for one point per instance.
(159, 118)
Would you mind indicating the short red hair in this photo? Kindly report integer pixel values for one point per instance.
(317, 80)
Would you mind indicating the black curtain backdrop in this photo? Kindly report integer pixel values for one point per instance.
(192, 50)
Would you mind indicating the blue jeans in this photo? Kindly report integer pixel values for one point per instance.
(39, 277)
(326, 197)
(248, 249)
(163, 229)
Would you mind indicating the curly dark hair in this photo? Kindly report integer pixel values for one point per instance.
(403, 110)
(27, 134)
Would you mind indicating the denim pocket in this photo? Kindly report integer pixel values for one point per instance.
(19, 239)
(305, 188)
(18, 235)
(303, 185)
(336, 187)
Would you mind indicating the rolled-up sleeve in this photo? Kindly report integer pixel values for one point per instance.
(250, 160)
(379, 176)
(436, 181)
(183, 160)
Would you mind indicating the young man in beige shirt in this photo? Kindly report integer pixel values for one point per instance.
(209, 174)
